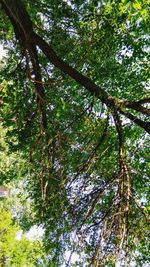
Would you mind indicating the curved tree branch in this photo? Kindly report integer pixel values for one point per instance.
(23, 28)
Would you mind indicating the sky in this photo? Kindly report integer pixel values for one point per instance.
(2, 52)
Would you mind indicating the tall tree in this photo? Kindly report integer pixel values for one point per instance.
(75, 90)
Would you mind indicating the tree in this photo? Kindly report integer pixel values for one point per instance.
(77, 100)
(12, 165)
(14, 252)
(15, 248)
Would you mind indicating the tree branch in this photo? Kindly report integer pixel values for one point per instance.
(24, 32)
(145, 125)
(137, 105)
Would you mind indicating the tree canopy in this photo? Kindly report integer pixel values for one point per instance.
(19, 252)
(75, 102)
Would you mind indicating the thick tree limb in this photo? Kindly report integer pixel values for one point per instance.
(25, 33)
(143, 124)
(137, 105)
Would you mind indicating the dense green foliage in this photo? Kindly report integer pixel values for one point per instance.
(16, 214)
(18, 252)
(79, 116)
